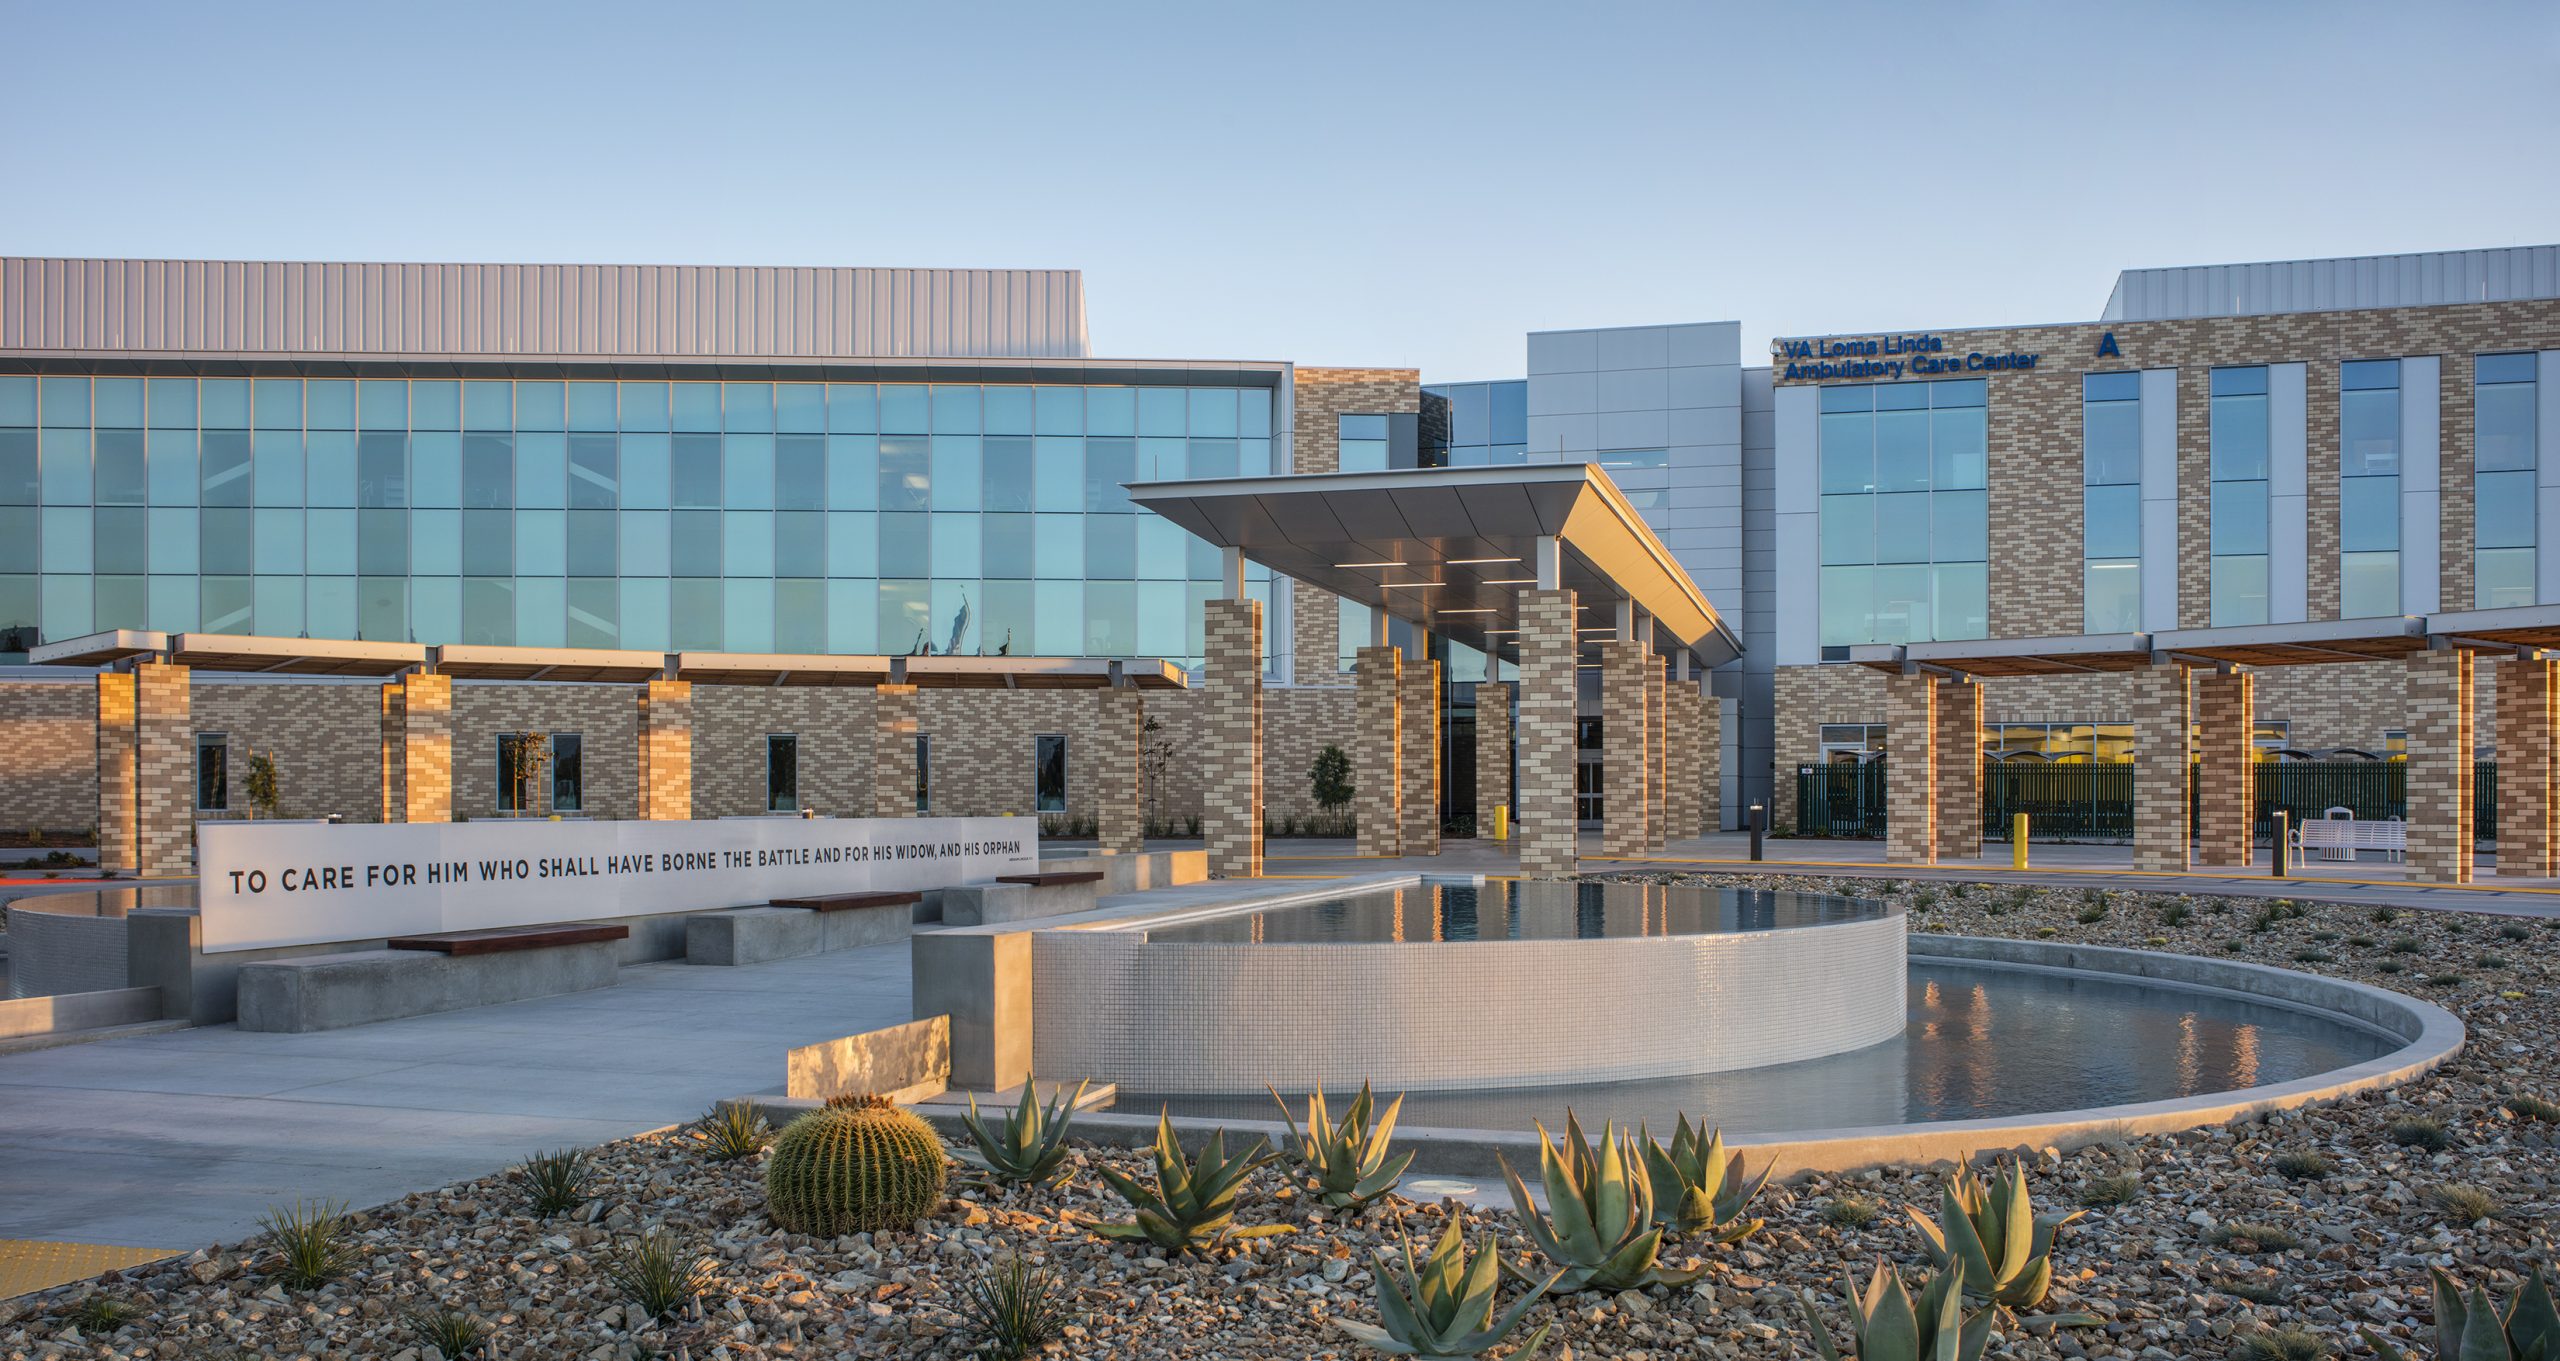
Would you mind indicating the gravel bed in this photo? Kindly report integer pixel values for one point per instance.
(2166, 1257)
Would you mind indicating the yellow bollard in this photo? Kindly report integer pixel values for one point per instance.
(1502, 822)
(2018, 842)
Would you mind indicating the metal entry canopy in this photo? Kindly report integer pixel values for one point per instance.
(1451, 549)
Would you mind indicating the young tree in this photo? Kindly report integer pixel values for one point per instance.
(262, 784)
(1331, 776)
(527, 763)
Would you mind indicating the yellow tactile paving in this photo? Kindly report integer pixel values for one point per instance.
(27, 1266)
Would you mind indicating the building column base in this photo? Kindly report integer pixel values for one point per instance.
(1231, 822)
(1550, 837)
(1377, 755)
(1911, 769)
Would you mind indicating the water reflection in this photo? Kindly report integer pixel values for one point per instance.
(1981, 1042)
(1523, 911)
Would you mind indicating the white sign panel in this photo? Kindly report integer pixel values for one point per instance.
(267, 884)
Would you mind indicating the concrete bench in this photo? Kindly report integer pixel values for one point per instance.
(789, 928)
(358, 987)
(1020, 897)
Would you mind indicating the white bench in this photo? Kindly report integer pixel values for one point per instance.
(2338, 837)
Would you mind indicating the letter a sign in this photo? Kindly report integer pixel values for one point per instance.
(2107, 346)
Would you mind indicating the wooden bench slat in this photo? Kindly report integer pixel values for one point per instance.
(846, 902)
(1052, 880)
(510, 938)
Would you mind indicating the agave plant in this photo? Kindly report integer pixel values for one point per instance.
(1598, 1224)
(1885, 1326)
(2472, 1328)
(1444, 1307)
(1193, 1204)
(1349, 1159)
(1031, 1146)
(1992, 1234)
(1697, 1185)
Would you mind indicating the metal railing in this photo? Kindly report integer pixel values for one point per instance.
(2093, 800)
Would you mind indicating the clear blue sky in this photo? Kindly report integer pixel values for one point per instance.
(1373, 183)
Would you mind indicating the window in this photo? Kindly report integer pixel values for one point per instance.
(782, 773)
(2111, 502)
(2237, 429)
(2368, 488)
(1904, 523)
(2504, 467)
(1852, 741)
(1362, 443)
(1620, 460)
(1049, 773)
(530, 762)
(924, 773)
(213, 772)
(2065, 741)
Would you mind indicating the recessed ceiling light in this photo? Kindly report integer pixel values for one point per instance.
(1369, 564)
(1405, 585)
(1490, 632)
(1512, 581)
(1470, 562)
(1485, 610)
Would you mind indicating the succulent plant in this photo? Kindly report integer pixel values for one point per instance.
(1444, 1307)
(1348, 1159)
(2471, 1327)
(1697, 1186)
(854, 1167)
(1016, 1310)
(1031, 1145)
(1193, 1204)
(1598, 1224)
(1991, 1234)
(1884, 1324)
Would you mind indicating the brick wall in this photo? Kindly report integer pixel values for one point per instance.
(1230, 753)
(1315, 447)
(326, 740)
(1544, 736)
(49, 730)
(1377, 757)
(163, 771)
(606, 718)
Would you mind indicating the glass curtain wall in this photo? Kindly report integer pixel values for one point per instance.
(2502, 483)
(1488, 424)
(2368, 488)
(2238, 421)
(741, 517)
(1904, 516)
(2111, 501)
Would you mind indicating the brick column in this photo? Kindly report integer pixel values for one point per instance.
(2226, 811)
(426, 748)
(1550, 844)
(1625, 757)
(1682, 742)
(1911, 769)
(1231, 758)
(1420, 695)
(1119, 752)
(117, 842)
(164, 790)
(1493, 753)
(1711, 765)
(1959, 770)
(2440, 756)
(2528, 704)
(1657, 754)
(2161, 718)
(666, 751)
(394, 768)
(1377, 753)
(893, 751)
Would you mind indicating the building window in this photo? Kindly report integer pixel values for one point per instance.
(1904, 521)
(213, 772)
(1488, 423)
(1361, 443)
(2033, 742)
(2368, 488)
(782, 773)
(531, 762)
(1622, 460)
(924, 773)
(1852, 741)
(1049, 773)
(2502, 480)
(2111, 502)
(2238, 431)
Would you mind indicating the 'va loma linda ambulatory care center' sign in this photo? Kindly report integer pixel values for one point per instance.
(1889, 357)
(263, 884)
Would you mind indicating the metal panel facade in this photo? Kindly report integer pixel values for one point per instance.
(224, 306)
(2417, 280)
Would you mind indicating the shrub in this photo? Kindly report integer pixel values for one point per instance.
(2361, 942)
(2444, 980)
(2255, 1292)
(2120, 1188)
(657, 1274)
(1598, 1221)
(2242, 1235)
(1886, 1325)
(733, 1130)
(858, 1165)
(2492, 961)
(2048, 931)
(556, 1182)
(1348, 1159)
(2391, 966)
(1193, 1204)
(98, 1315)
(1444, 1307)
(2462, 1203)
(2307, 955)
(1697, 1185)
(311, 1242)
(1923, 900)
(2235, 947)
(2300, 1164)
(2513, 931)
(1030, 1147)
(1990, 1233)
(2474, 1326)
(2174, 913)
(2093, 914)
(2155, 940)
(2404, 945)
(1015, 1310)
(2525, 1106)
(2386, 915)
(2280, 1344)
(1850, 1212)
(2324, 937)
(449, 1333)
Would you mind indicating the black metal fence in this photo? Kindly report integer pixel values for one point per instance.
(2093, 800)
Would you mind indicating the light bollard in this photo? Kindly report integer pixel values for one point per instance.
(2281, 866)
(1758, 821)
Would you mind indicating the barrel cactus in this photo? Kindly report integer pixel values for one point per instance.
(859, 1165)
